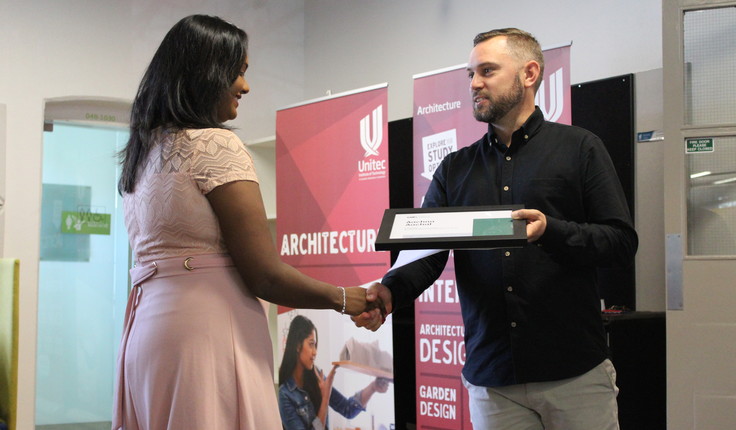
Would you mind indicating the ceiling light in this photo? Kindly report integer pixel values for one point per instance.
(699, 174)
(725, 181)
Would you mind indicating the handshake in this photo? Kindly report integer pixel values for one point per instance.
(368, 307)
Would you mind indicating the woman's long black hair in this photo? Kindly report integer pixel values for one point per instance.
(193, 68)
(299, 329)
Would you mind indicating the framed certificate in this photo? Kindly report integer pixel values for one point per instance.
(471, 227)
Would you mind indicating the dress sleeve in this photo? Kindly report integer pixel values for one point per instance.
(219, 157)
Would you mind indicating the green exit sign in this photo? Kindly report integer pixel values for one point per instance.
(694, 146)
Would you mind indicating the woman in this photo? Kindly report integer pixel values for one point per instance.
(304, 392)
(196, 352)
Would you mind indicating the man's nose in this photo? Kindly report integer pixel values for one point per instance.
(475, 82)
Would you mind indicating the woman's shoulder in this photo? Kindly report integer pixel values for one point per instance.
(210, 141)
(208, 134)
(289, 384)
(289, 390)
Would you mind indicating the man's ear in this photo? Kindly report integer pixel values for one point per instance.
(532, 74)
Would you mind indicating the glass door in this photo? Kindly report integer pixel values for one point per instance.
(83, 276)
(699, 94)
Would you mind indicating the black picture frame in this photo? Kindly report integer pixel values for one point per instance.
(384, 241)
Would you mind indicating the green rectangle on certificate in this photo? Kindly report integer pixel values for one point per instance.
(493, 227)
(85, 223)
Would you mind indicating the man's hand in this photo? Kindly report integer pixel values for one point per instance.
(373, 319)
(536, 222)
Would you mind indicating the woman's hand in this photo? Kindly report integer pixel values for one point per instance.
(380, 385)
(325, 388)
(325, 384)
(377, 309)
(356, 302)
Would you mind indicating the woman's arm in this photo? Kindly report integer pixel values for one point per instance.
(351, 407)
(325, 387)
(378, 385)
(239, 209)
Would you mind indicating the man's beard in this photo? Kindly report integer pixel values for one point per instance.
(498, 108)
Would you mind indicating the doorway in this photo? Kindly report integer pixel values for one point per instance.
(83, 275)
(699, 55)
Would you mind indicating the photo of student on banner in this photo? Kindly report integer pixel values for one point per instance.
(305, 392)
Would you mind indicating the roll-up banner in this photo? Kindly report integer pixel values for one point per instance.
(331, 191)
(443, 122)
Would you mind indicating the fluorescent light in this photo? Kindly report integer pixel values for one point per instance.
(725, 181)
(700, 174)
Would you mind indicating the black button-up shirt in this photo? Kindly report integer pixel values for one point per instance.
(531, 314)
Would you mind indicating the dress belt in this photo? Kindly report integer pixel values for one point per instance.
(177, 265)
(138, 275)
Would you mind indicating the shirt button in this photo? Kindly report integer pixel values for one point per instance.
(508, 158)
(506, 188)
(513, 324)
(507, 253)
(509, 289)
(526, 136)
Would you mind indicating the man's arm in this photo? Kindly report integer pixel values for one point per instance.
(400, 287)
(606, 237)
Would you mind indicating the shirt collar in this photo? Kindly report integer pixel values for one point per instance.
(527, 130)
(291, 384)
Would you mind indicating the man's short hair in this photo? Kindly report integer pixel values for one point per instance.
(522, 45)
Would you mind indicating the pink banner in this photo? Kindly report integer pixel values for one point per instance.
(553, 97)
(332, 186)
(331, 192)
(444, 122)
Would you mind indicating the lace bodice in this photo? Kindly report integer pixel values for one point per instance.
(168, 214)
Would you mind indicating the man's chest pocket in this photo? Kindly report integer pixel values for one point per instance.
(551, 196)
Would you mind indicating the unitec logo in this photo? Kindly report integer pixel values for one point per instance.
(371, 131)
(556, 97)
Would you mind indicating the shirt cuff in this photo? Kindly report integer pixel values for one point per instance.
(317, 424)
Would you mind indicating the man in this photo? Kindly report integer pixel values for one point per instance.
(536, 356)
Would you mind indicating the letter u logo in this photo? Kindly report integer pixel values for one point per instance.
(371, 137)
(556, 97)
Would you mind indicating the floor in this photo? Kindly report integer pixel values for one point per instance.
(102, 425)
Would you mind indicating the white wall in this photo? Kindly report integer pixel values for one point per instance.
(353, 44)
(2, 176)
(299, 50)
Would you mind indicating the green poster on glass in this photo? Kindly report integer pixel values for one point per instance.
(85, 223)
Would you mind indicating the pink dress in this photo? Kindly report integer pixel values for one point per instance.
(196, 352)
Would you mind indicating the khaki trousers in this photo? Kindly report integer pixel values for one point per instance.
(585, 402)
